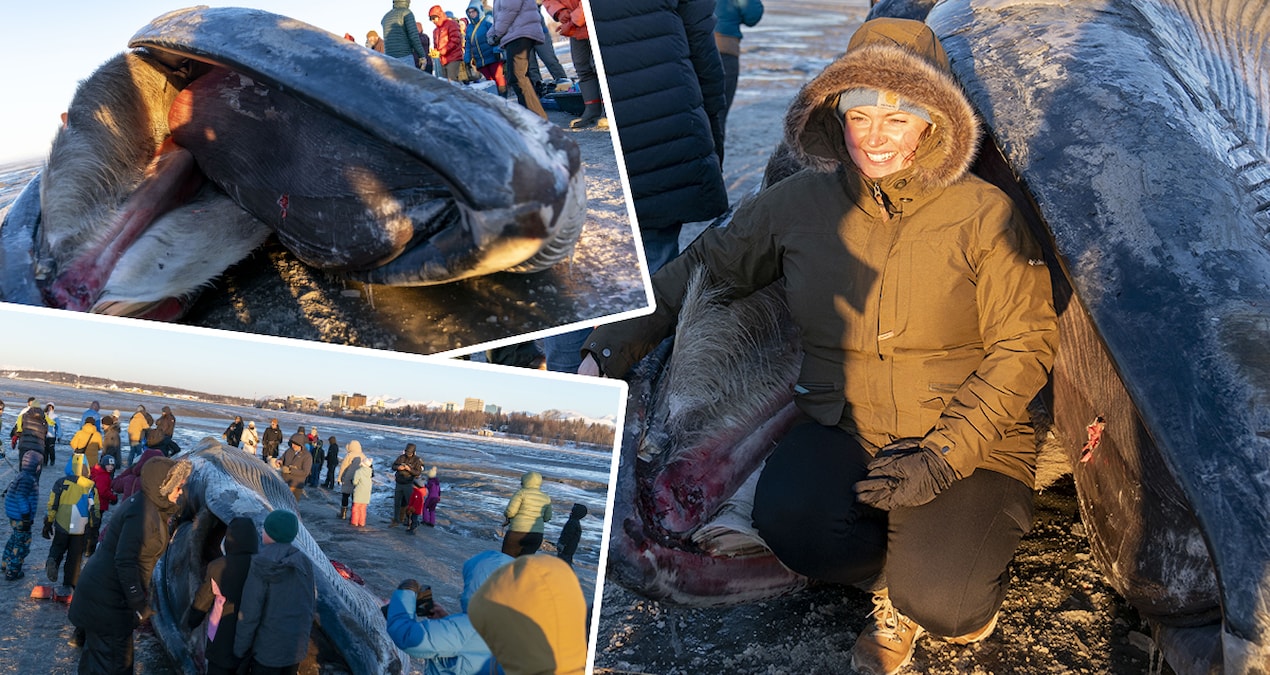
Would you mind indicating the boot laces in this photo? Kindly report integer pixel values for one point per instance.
(889, 623)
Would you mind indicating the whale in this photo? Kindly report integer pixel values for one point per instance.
(349, 631)
(222, 127)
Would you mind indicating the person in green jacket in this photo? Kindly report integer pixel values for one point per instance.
(526, 512)
(927, 324)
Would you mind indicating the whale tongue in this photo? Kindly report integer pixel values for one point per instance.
(171, 178)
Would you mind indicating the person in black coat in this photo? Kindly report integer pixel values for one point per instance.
(332, 462)
(113, 593)
(270, 440)
(571, 534)
(667, 87)
(234, 433)
(225, 577)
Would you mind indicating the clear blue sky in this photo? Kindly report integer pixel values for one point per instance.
(230, 363)
(48, 47)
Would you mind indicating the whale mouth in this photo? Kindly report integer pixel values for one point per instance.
(180, 157)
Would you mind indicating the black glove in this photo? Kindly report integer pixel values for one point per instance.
(904, 475)
(47, 532)
(409, 585)
(492, 39)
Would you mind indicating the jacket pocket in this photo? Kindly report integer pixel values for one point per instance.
(822, 401)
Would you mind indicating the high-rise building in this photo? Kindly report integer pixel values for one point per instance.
(473, 405)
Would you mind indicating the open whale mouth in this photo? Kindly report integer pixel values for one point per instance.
(182, 156)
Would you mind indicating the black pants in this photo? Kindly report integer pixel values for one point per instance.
(72, 547)
(944, 562)
(731, 74)
(50, 451)
(329, 483)
(519, 52)
(257, 669)
(400, 499)
(106, 653)
(516, 544)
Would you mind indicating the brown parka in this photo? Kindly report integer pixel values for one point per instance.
(924, 305)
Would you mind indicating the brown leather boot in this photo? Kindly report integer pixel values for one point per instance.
(887, 646)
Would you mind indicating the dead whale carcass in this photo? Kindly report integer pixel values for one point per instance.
(224, 484)
(360, 164)
(1139, 130)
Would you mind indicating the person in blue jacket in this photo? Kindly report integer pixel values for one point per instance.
(21, 501)
(729, 15)
(446, 644)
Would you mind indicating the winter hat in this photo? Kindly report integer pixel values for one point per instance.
(167, 409)
(282, 526)
(420, 482)
(108, 420)
(432, 472)
(354, 446)
(367, 460)
(32, 460)
(888, 100)
(252, 424)
(299, 439)
(107, 462)
(176, 477)
(532, 615)
(410, 448)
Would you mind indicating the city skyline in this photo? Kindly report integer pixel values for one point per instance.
(258, 367)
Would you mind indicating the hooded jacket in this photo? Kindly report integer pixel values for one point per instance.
(87, 440)
(363, 481)
(401, 32)
(571, 533)
(530, 507)
(33, 427)
(137, 426)
(115, 582)
(22, 498)
(476, 47)
(514, 19)
(225, 577)
(279, 600)
(449, 645)
(925, 311)
(411, 459)
(447, 38)
(532, 615)
(105, 492)
(348, 466)
(73, 502)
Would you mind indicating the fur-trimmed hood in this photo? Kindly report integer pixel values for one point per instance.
(901, 56)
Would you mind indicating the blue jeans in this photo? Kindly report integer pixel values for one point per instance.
(564, 351)
(660, 246)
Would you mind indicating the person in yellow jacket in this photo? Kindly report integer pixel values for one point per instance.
(73, 511)
(140, 422)
(532, 615)
(526, 512)
(928, 326)
(88, 441)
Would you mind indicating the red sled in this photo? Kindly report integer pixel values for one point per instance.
(347, 573)
(45, 592)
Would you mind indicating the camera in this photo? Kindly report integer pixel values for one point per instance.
(423, 602)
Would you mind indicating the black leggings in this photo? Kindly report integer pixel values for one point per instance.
(944, 562)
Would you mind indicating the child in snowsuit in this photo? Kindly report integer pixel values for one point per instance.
(418, 497)
(72, 511)
(361, 491)
(571, 534)
(279, 598)
(220, 594)
(103, 475)
(21, 501)
(434, 498)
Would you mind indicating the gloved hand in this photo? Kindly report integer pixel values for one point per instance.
(904, 474)
(409, 585)
(563, 16)
(492, 39)
(47, 532)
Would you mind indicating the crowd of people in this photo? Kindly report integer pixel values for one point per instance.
(499, 42)
(105, 571)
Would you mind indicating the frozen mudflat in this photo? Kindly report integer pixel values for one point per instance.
(478, 475)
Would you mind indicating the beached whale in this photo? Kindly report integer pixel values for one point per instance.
(223, 126)
(226, 483)
(1135, 134)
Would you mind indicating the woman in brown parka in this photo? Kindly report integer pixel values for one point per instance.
(927, 325)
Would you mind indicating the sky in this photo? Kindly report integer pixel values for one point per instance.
(50, 46)
(222, 362)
